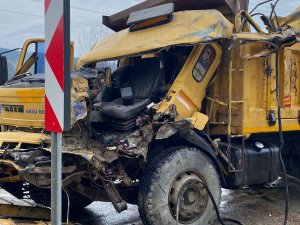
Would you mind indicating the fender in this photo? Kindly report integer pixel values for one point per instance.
(197, 138)
(206, 146)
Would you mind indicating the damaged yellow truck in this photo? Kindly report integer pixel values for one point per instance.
(191, 107)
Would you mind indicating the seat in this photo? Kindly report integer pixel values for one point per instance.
(146, 78)
(117, 110)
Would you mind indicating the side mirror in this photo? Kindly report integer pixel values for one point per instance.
(3, 70)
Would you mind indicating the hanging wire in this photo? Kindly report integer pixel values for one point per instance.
(68, 208)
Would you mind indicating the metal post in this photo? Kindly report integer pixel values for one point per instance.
(57, 92)
(56, 162)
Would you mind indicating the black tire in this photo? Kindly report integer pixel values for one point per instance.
(157, 187)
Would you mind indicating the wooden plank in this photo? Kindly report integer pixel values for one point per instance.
(30, 212)
(12, 207)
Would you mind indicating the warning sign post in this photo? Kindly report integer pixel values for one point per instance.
(57, 91)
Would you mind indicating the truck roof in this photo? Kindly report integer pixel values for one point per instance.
(228, 8)
(186, 28)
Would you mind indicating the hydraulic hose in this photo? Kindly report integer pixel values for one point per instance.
(281, 140)
(220, 219)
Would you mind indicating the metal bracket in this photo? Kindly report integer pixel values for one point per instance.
(272, 118)
(119, 204)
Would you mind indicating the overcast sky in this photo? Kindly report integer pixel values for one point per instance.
(23, 19)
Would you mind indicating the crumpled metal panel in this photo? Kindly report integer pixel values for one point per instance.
(187, 27)
(23, 137)
(79, 94)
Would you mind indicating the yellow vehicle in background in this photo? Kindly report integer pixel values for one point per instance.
(30, 76)
(195, 104)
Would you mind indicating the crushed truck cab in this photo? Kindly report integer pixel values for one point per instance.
(191, 106)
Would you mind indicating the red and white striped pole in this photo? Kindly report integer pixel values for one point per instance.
(57, 91)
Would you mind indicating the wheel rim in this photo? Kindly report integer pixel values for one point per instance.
(187, 190)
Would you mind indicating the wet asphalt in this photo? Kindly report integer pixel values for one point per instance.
(251, 206)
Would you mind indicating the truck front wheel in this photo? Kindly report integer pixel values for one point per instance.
(172, 189)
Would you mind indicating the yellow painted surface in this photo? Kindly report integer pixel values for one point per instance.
(26, 44)
(186, 94)
(253, 90)
(203, 26)
(24, 50)
(247, 36)
(23, 137)
(10, 171)
(199, 120)
(32, 101)
(260, 96)
(272, 129)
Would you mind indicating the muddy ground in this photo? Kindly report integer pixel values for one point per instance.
(254, 206)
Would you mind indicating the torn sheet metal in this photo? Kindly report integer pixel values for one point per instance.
(136, 144)
(79, 94)
(187, 27)
(23, 137)
(264, 53)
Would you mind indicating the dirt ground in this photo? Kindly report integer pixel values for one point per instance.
(255, 206)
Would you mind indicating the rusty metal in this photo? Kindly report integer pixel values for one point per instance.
(47, 170)
(119, 204)
(107, 79)
(118, 21)
(75, 176)
(96, 194)
(193, 197)
(250, 20)
(9, 169)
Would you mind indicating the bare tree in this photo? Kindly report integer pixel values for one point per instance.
(90, 36)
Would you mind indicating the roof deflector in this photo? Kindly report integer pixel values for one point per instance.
(118, 21)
